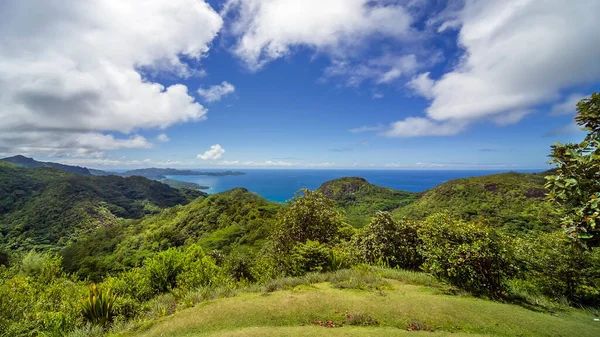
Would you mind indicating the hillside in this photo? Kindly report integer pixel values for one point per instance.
(397, 309)
(514, 201)
(359, 200)
(184, 184)
(44, 207)
(23, 161)
(228, 221)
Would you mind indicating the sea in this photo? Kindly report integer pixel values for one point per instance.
(281, 184)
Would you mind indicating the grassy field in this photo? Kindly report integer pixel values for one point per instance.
(394, 306)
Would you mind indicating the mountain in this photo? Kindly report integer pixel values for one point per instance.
(44, 207)
(184, 184)
(232, 220)
(31, 163)
(161, 173)
(513, 201)
(359, 200)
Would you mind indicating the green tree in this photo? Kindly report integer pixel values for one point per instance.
(394, 242)
(576, 183)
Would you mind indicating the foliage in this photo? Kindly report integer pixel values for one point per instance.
(468, 255)
(43, 207)
(514, 202)
(359, 200)
(97, 307)
(304, 232)
(575, 184)
(559, 268)
(394, 242)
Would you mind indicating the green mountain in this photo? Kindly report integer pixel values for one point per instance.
(513, 201)
(233, 220)
(359, 200)
(161, 173)
(31, 163)
(44, 207)
(184, 184)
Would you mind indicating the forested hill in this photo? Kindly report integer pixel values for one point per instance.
(31, 163)
(514, 201)
(162, 173)
(44, 207)
(359, 200)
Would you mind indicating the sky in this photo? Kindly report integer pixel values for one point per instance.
(383, 84)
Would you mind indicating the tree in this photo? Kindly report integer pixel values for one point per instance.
(576, 182)
(395, 243)
(310, 216)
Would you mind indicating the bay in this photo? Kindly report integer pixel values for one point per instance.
(280, 184)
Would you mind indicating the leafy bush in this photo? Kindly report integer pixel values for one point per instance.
(395, 243)
(97, 307)
(466, 254)
(559, 268)
(163, 269)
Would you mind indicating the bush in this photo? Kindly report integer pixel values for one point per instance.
(468, 255)
(394, 243)
(97, 307)
(560, 268)
(163, 269)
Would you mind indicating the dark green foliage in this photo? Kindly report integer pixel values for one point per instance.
(559, 268)
(44, 207)
(359, 200)
(468, 255)
(183, 184)
(575, 184)
(4, 258)
(394, 243)
(31, 163)
(515, 202)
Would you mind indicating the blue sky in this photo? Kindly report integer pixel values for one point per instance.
(287, 84)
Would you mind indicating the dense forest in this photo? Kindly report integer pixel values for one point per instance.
(86, 255)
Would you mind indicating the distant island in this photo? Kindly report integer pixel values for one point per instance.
(150, 173)
(184, 184)
(162, 173)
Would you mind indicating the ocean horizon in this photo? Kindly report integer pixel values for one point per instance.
(280, 185)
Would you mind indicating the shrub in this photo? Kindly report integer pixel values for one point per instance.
(560, 268)
(395, 243)
(239, 265)
(163, 269)
(97, 307)
(468, 255)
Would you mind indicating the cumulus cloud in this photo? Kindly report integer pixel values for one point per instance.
(214, 153)
(417, 126)
(163, 138)
(517, 55)
(380, 70)
(216, 92)
(267, 30)
(568, 106)
(75, 70)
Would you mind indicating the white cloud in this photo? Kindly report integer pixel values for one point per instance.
(367, 128)
(381, 70)
(422, 84)
(517, 54)
(214, 153)
(568, 106)
(267, 30)
(163, 138)
(417, 126)
(74, 70)
(216, 92)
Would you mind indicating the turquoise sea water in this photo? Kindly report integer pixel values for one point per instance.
(280, 185)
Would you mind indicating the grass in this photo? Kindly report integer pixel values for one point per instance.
(399, 305)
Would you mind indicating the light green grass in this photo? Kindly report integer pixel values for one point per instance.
(283, 313)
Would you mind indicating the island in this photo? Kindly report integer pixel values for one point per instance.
(162, 173)
(184, 184)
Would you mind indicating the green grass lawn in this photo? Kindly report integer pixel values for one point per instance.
(290, 313)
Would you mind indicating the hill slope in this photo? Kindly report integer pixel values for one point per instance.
(231, 220)
(291, 312)
(514, 201)
(32, 163)
(44, 207)
(359, 200)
